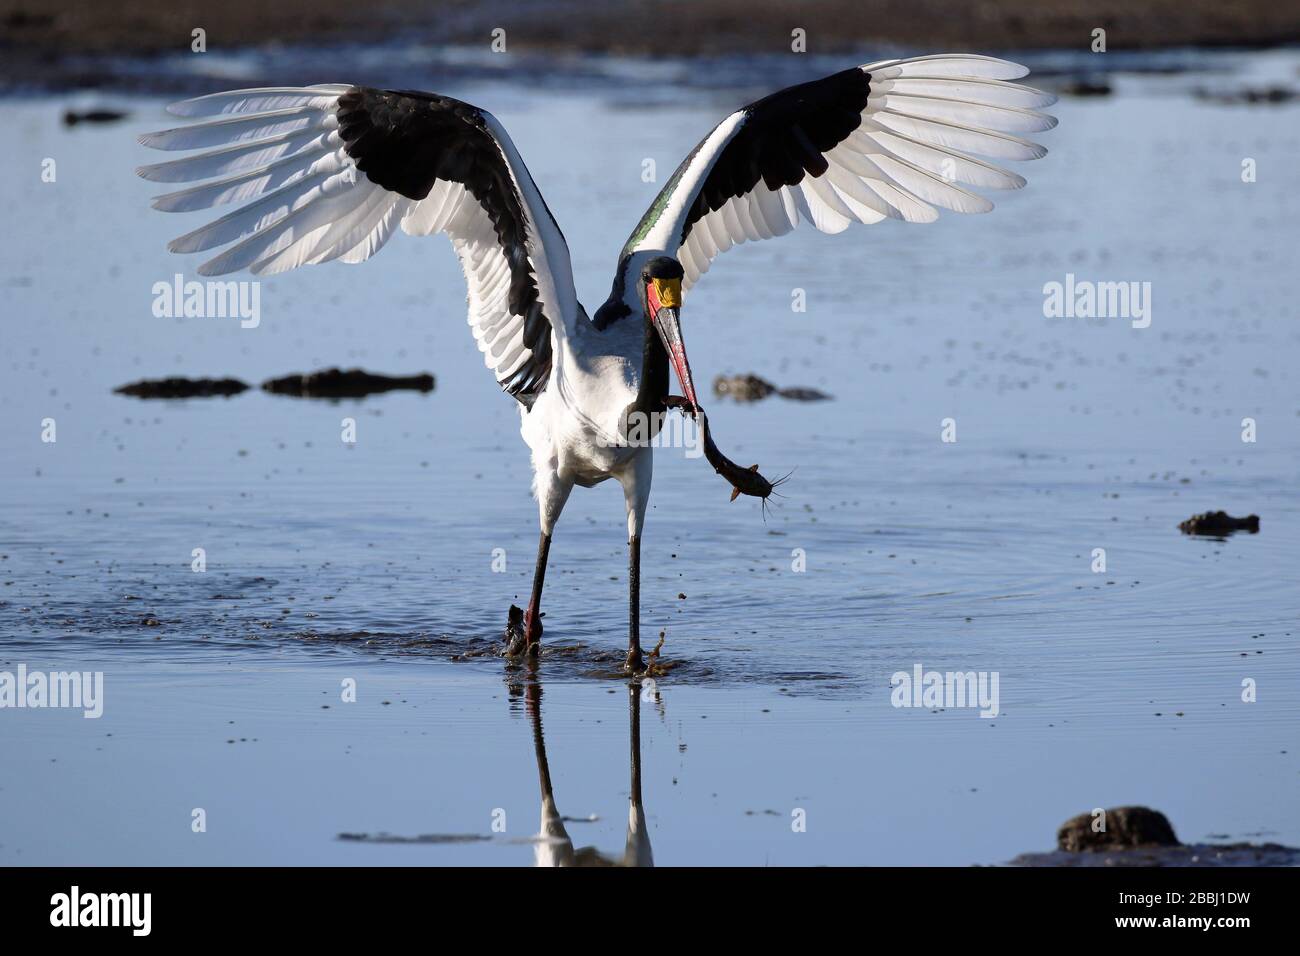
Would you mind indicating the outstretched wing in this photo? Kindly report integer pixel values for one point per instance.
(885, 140)
(330, 172)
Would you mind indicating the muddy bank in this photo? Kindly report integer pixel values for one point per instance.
(1268, 96)
(34, 33)
(1140, 836)
(1195, 854)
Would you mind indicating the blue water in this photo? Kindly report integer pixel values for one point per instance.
(374, 561)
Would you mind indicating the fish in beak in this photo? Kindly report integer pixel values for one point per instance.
(664, 301)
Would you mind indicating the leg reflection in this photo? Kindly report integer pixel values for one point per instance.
(554, 846)
(637, 852)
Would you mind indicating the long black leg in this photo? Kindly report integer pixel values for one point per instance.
(635, 660)
(524, 628)
(533, 617)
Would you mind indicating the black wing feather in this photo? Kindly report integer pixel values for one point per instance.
(406, 141)
(782, 140)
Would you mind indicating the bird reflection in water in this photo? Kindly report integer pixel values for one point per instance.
(554, 846)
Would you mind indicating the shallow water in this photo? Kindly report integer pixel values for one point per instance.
(374, 561)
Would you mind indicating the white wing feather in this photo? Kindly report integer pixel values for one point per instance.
(276, 154)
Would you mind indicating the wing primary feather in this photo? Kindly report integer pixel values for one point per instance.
(240, 128)
(241, 156)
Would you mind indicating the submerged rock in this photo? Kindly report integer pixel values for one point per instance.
(353, 383)
(1125, 827)
(1219, 524)
(752, 388)
(1085, 86)
(183, 388)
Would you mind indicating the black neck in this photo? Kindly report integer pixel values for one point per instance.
(654, 373)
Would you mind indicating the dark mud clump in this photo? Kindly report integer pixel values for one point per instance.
(752, 388)
(353, 383)
(183, 388)
(1219, 524)
(73, 117)
(1084, 86)
(1140, 836)
(1125, 827)
(425, 838)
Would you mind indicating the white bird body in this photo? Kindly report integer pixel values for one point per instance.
(573, 429)
(331, 171)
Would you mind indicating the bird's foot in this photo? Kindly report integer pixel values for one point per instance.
(638, 665)
(523, 633)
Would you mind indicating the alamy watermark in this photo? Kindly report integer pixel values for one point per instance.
(948, 690)
(234, 298)
(660, 430)
(1085, 299)
(75, 908)
(80, 690)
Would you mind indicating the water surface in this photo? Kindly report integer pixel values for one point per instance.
(374, 561)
